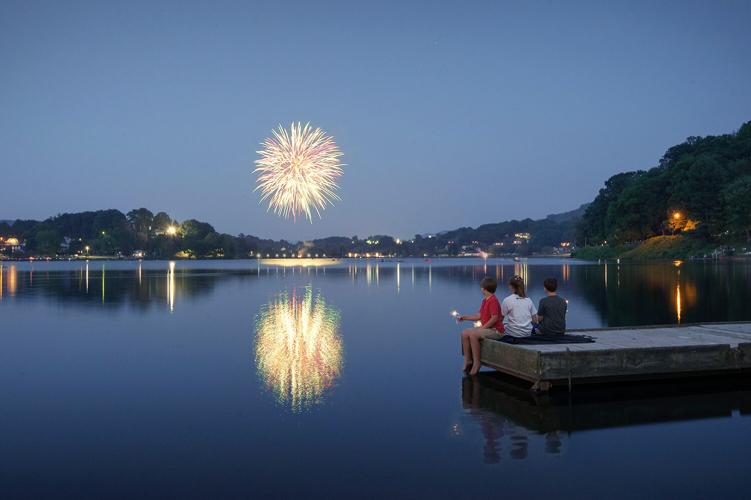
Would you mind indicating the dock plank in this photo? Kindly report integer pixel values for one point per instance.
(627, 352)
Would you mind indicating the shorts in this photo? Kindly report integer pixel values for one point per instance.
(491, 333)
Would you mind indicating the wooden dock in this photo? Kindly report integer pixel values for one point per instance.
(627, 353)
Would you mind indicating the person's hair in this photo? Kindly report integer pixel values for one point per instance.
(517, 284)
(550, 284)
(489, 284)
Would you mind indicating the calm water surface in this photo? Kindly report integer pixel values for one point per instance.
(236, 379)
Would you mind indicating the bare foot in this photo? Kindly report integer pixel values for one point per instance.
(475, 370)
(466, 367)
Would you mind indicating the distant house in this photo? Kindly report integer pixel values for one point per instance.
(65, 245)
(12, 244)
(139, 254)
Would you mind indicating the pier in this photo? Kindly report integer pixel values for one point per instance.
(627, 354)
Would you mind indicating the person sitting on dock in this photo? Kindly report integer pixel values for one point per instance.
(490, 325)
(551, 315)
(518, 310)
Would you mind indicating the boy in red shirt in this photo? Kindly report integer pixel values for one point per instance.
(490, 326)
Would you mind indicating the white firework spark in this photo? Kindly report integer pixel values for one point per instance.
(297, 171)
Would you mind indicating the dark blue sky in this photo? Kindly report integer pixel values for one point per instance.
(449, 113)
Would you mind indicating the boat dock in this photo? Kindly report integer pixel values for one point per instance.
(627, 354)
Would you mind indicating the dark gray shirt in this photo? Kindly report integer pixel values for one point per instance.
(553, 311)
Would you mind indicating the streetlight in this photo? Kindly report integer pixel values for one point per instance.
(676, 221)
(171, 230)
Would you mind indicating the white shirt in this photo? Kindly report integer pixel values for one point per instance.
(517, 315)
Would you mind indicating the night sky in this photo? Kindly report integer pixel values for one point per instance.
(449, 113)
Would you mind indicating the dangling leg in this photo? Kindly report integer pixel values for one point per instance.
(474, 341)
(467, 350)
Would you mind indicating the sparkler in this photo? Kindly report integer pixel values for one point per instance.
(297, 171)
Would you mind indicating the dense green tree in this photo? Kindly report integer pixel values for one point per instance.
(693, 179)
(141, 220)
(161, 222)
(47, 241)
(593, 227)
(737, 196)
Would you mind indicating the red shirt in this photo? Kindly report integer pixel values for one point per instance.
(491, 307)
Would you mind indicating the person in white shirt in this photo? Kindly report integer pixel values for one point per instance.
(518, 310)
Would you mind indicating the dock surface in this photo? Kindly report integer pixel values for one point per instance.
(627, 353)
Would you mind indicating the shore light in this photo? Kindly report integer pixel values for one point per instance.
(171, 230)
(676, 215)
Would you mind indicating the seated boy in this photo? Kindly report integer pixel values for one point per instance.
(551, 315)
(490, 325)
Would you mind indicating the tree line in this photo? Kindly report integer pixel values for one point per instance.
(159, 236)
(701, 187)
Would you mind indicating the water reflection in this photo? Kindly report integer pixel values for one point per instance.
(522, 269)
(504, 420)
(299, 352)
(12, 280)
(102, 286)
(635, 294)
(515, 422)
(170, 286)
(663, 293)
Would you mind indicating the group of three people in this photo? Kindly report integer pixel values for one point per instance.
(516, 316)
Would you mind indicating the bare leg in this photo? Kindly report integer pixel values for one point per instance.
(466, 350)
(474, 341)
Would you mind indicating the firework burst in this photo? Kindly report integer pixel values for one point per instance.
(297, 171)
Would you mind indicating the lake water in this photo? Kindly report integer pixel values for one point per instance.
(237, 379)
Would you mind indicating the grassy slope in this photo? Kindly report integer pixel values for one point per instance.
(659, 247)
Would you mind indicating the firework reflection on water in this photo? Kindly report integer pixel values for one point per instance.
(299, 352)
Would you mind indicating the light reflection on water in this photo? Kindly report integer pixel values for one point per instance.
(299, 352)
(600, 294)
(170, 284)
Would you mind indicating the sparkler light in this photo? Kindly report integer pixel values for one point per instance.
(297, 171)
(299, 352)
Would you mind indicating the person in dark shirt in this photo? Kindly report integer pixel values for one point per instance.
(551, 315)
